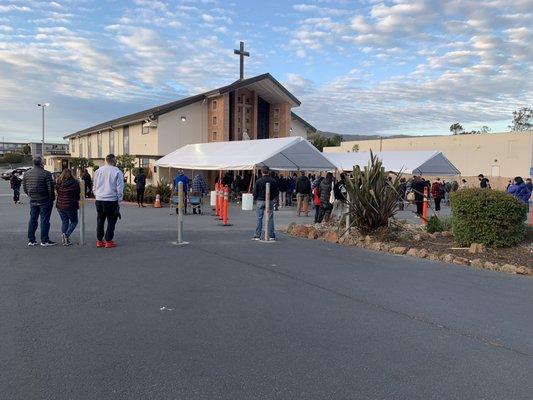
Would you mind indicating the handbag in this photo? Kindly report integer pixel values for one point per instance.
(410, 197)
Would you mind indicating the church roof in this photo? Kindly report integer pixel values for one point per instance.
(265, 82)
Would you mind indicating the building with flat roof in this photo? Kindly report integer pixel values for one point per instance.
(11, 147)
(253, 108)
(499, 156)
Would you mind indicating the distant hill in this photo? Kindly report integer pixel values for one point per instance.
(347, 138)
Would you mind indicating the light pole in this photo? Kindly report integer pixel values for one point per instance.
(43, 105)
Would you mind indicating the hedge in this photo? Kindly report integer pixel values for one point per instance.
(487, 216)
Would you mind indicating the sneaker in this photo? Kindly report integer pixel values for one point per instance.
(100, 243)
(110, 244)
(67, 241)
(33, 243)
(272, 239)
(256, 238)
(63, 239)
(48, 244)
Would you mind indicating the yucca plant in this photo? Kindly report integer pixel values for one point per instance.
(372, 197)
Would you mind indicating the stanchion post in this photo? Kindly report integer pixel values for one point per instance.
(221, 207)
(217, 193)
(82, 212)
(267, 210)
(425, 207)
(348, 213)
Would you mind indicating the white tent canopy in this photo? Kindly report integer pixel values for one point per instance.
(430, 163)
(292, 153)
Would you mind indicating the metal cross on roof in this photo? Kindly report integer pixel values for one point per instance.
(241, 54)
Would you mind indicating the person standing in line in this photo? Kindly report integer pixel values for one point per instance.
(108, 191)
(483, 182)
(140, 185)
(464, 184)
(326, 186)
(67, 204)
(316, 197)
(520, 190)
(15, 183)
(86, 177)
(303, 191)
(261, 201)
(291, 188)
(529, 184)
(199, 188)
(417, 186)
(38, 184)
(181, 177)
(437, 192)
(282, 185)
(402, 189)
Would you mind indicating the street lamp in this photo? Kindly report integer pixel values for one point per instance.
(43, 105)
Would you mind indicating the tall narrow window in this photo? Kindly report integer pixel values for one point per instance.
(80, 146)
(111, 142)
(99, 145)
(276, 113)
(214, 136)
(214, 104)
(214, 120)
(276, 126)
(126, 139)
(89, 147)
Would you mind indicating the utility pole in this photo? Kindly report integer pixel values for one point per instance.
(43, 105)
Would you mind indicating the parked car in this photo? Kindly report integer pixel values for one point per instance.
(7, 174)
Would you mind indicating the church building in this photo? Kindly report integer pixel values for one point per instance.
(253, 108)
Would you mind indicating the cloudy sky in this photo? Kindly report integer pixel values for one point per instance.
(359, 67)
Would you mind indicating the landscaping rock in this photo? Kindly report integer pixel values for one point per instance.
(447, 258)
(400, 250)
(476, 248)
(331, 237)
(433, 257)
(461, 261)
(368, 239)
(523, 270)
(300, 231)
(491, 266)
(375, 246)
(417, 237)
(423, 253)
(312, 234)
(446, 234)
(290, 227)
(477, 263)
(413, 252)
(508, 268)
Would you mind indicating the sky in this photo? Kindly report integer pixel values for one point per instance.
(358, 67)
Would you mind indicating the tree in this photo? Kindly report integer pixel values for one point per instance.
(26, 150)
(456, 128)
(355, 148)
(80, 163)
(484, 129)
(126, 163)
(522, 120)
(321, 141)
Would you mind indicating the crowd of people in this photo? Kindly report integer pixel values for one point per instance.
(107, 186)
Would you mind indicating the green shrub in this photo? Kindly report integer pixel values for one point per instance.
(438, 224)
(130, 192)
(13, 158)
(491, 217)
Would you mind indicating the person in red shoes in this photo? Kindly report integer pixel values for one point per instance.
(108, 189)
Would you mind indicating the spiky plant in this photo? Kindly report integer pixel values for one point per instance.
(372, 197)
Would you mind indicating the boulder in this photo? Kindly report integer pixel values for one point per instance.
(331, 237)
(417, 237)
(413, 252)
(433, 257)
(508, 268)
(423, 253)
(290, 227)
(376, 246)
(523, 270)
(300, 231)
(447, 258)
(491, 266)
(446, 234)
(368, 239)
(461, 261)
(476, 248)
(312, 234)
(400, 250)
(477, 263)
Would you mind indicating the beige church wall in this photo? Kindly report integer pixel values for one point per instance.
(495, 155)
(175, 133)
(298, 129)
(141, 144)
(283, 120)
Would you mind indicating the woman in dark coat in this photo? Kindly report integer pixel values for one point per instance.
(140, 184)
(67, 204)
(326, 186)
(86, 177)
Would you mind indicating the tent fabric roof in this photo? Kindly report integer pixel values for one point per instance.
(409, 162)
(291, 153)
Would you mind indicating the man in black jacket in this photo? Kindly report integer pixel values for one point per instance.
(38, 184)
(303, 191)
(261, 201)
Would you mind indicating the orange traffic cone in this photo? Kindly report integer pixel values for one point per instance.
(157, 202)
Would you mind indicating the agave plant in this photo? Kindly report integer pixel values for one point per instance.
(372, 197)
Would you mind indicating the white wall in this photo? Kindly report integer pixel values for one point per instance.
(298, 129)
(174, 133)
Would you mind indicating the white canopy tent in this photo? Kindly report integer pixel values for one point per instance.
(292, 153)
(430, 163)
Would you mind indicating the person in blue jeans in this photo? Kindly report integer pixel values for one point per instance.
(38, 184)
(67, 204)
(261, 201)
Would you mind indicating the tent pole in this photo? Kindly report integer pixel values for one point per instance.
(252, 181)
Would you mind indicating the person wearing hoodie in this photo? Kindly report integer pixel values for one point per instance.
(520, 190)
(15, 183)
(67, 204)
(140, 185)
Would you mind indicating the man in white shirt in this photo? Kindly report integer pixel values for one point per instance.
(108, 189)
